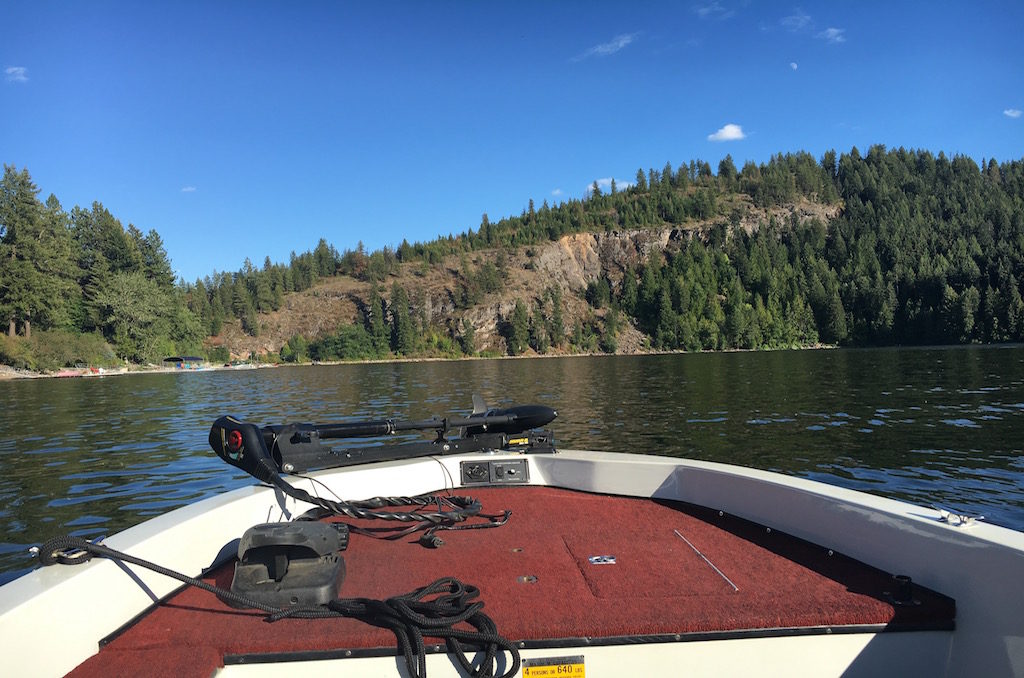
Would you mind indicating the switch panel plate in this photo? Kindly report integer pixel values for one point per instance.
(494, 472)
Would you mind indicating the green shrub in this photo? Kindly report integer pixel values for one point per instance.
(56, 349)
(219, 355)
(15, 352)
(52, 350)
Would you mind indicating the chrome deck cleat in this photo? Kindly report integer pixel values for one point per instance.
(957, 519)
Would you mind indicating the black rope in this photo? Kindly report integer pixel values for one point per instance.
(451, 510)
(411, 616)
(428, 538)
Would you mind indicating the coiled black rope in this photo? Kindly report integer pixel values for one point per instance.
(411, 616)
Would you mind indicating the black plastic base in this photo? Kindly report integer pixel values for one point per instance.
(290, 564)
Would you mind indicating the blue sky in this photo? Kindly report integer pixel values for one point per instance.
(246, 129)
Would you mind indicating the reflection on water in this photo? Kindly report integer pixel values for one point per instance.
(933, 426)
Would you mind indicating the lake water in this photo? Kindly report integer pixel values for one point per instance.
(941, 426)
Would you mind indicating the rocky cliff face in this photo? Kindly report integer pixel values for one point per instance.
(570, 263)
(579, 259)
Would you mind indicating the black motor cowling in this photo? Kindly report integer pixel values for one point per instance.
(522, 418)
(242, 445)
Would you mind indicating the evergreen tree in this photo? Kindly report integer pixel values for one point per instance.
(555, 324)
(377, 326)
(538, 336)
(403, 336)
(468, 339)
(155, 263)
(629, 293)
(35, 253)
(641, 181)
(727, 172)
(518, 333)
(609, 334)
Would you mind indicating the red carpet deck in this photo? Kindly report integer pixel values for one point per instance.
(538, 585)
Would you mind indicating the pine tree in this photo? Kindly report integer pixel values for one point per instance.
(155, 263)
(556, 324)
(519, 329)
(468, 339)
(641, 181)
(35, 255)
(538, 331)
(403, 336)
(378, 328)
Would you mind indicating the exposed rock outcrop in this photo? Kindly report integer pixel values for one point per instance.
(570, 263)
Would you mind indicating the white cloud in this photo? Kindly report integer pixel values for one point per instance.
(16, 74)
(792, 64)
(797, 21)
(833, 35)
(188, 189)
(608, 48)
(714, 10)
(1012, 112)
(730, 132)
(557, 192)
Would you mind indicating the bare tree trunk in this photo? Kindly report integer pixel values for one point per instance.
(28, 329)
(11, 329)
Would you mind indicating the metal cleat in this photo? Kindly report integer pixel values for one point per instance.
(955, 519)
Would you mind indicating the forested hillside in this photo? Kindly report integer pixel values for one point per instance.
(897, 247)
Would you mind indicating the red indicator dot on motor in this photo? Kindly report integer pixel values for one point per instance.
(234, 441)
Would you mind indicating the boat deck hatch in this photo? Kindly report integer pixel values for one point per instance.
(569, 568)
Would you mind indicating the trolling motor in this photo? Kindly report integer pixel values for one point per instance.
(295, 448)
(267, 452)
(299, 563)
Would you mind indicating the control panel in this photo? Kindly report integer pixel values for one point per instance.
(495, 472)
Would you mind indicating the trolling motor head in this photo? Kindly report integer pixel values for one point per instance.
(242, 445)
(520, 418)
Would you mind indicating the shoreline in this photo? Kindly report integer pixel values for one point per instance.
(8, 373)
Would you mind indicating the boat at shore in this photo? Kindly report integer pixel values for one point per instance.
(374, 560)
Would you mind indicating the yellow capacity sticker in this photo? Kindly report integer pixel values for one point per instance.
(554, 667)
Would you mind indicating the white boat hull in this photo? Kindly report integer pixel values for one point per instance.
(980, 566)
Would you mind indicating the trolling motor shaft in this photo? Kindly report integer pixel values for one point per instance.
(291, 448)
